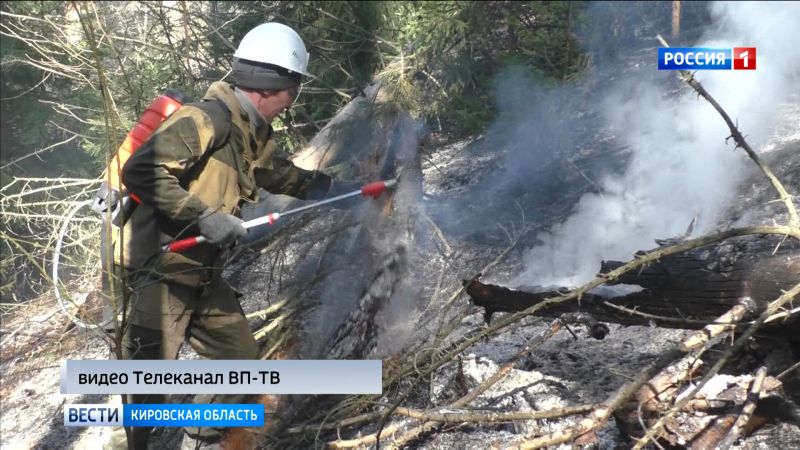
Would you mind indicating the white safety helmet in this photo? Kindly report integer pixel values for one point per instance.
(275, 44)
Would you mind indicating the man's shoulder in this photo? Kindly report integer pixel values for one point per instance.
(217, 111)
(221, 91)
(208, 121)
(219, 119)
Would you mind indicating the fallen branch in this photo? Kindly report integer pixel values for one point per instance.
(598, 417)
(275, 323)
(793, 367)
(747, 410)
(366, 440)
(350, 421)
(263, 313)
(494, 416)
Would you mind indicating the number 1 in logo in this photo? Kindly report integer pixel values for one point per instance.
(744, 58)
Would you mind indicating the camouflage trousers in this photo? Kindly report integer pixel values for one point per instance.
(163, 315)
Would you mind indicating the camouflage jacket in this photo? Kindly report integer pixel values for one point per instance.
(176, 181)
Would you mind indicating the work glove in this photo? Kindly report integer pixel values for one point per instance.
(219, 227)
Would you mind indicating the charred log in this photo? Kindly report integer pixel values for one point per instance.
(724, 273)
(681, 291)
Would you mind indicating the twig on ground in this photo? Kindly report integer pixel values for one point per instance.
(493, 416)
(366, 440)
(747, 410)
(794, 366)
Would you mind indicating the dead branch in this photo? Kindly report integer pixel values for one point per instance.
(794, 366)
(494, 416)
(598, 417)
(263, 313)
(350, 421)
(37, 152)
(366, 440)
(636, 309)
(737, 136)
(275, 323)
(438, 232)
(747, 410)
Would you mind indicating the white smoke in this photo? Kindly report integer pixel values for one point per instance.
(681, 166)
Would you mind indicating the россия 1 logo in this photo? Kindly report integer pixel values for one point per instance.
(696, 58)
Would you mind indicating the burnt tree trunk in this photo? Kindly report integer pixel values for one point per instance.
(356, 257)
(362, 265)
(680, 291)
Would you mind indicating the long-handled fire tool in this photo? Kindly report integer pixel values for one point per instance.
(369, 190)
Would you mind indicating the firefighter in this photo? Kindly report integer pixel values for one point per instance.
(192, 177)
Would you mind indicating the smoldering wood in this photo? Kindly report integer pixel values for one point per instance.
(357, 335)
(706, 422)
(679, 291)
(357, 273)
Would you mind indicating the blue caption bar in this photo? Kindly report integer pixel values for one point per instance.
(165, 415)
(691, 58)
(234, 415)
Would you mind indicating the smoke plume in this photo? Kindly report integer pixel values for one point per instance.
(680, 166)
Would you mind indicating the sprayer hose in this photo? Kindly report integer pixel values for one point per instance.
(56, 259)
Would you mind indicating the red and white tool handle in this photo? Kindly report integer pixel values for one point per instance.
(184, 244)
(187, 243)
(369, 190)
